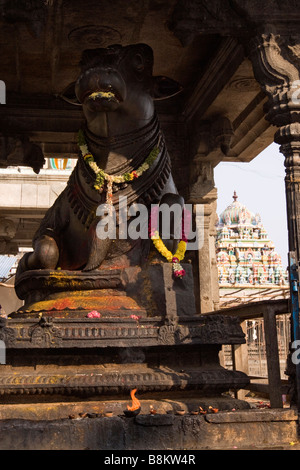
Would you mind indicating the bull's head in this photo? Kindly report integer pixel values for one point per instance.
(120, 79)
(114, 77)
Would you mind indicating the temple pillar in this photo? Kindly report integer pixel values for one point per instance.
(210, 142)
(208, 270)
(276, 65)
(208, 292)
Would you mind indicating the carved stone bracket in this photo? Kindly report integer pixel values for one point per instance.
(7, 233)
(215, 135)
(7, 229)
(276, 62)
(214, 141)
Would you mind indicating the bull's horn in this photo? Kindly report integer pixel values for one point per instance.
(69, 95)
(164, 87)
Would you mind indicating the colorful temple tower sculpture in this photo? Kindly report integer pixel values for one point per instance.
(246, 257)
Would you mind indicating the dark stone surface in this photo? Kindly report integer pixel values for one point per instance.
(155, 420)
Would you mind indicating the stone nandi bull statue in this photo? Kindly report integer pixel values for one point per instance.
(123, 154)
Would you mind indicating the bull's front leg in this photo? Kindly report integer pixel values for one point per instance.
(44, 256)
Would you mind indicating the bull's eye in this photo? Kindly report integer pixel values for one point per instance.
(138, 63)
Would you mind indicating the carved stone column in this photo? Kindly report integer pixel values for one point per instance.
(212, 143)
(276, 64)
(208, 271)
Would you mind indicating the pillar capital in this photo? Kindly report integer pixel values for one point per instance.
(276, 64)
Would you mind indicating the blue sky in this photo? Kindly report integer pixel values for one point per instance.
(260, 187)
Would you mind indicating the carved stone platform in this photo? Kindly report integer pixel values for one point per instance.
(148, 337)
(90, 357)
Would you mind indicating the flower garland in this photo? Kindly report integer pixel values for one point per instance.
(101, 176)
(179, 255)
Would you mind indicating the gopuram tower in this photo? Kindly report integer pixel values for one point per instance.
(246, 256)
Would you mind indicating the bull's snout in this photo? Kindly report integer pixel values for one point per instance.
(101, 88)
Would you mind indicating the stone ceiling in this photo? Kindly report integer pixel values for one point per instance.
(197, 43)
(41, 54)
(202, 44)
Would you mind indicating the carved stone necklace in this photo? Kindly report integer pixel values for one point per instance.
(102, 176)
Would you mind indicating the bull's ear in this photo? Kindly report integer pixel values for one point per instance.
(164, 87)
(69, 95)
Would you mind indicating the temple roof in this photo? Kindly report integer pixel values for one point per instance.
(238, 214)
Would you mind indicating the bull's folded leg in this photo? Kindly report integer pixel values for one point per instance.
(44, 256)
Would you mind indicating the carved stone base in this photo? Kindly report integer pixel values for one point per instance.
(93, 382)
(54, 357)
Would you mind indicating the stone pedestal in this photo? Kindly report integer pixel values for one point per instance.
(148, 337)
(145, 291)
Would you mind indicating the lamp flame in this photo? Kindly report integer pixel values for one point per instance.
(135, 402)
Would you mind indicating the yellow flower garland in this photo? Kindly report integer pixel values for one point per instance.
(163, 250)
(174, 259)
